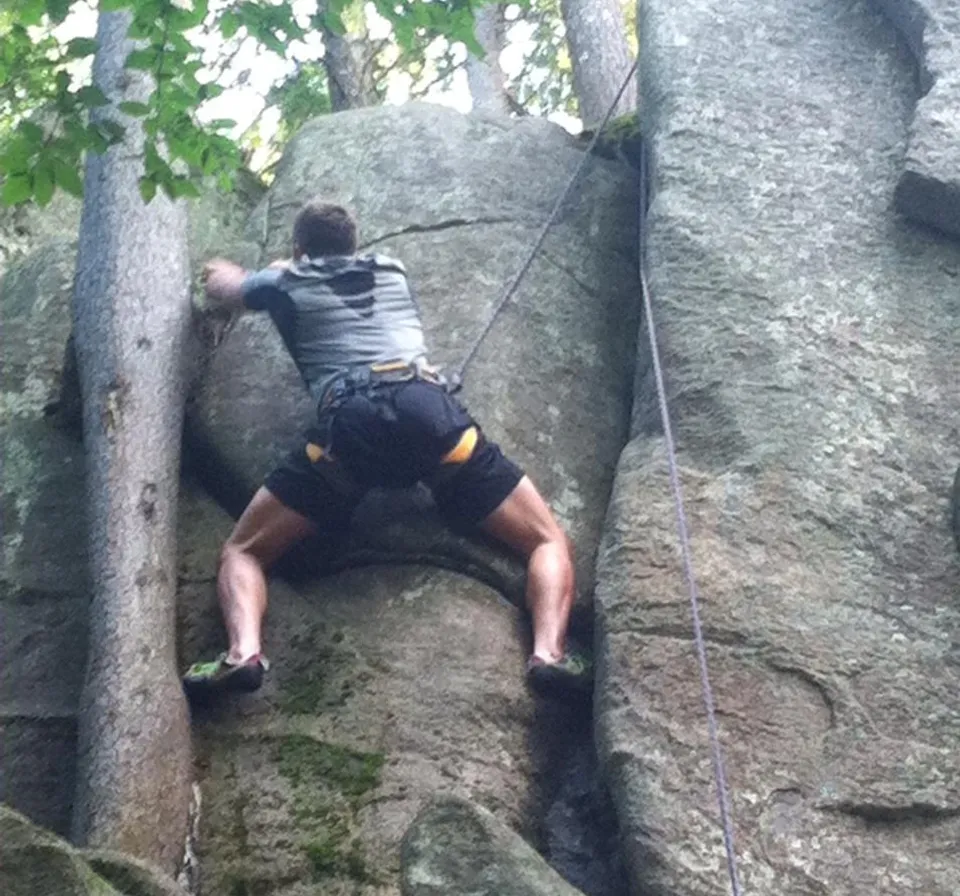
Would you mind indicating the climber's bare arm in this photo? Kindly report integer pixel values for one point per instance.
(232, 289)
(223, 284)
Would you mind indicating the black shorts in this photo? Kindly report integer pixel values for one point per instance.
(394, 436)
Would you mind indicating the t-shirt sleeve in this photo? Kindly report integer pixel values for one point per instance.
(262, 289)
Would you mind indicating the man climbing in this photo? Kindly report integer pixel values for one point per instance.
(384, 418)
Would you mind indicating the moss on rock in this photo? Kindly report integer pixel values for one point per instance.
(303, 760)
(34, 862)
(621, 139)
(328, 782)
(326, 679)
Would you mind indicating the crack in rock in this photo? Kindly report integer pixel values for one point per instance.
(442, 225)
(808, 678)
(884, 813)
(685, 633)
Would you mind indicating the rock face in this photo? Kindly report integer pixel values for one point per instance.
(809, 339)
(393, 683)
(25, 228)
(955, 509)
(389, 684)
(44, 581)
(929, 189)
(34, 862)
(460, 200)
(44, 589)
(454, 846)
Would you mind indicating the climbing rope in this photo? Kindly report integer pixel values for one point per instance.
(457, 376)
(723, 790)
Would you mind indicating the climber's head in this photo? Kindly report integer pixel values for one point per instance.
(322, 228)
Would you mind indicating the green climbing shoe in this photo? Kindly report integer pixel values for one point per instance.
(203, 681)
(573, 672)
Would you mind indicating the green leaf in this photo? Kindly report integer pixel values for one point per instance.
(404, 33)
(229, 24)
(80, 47)
(15, 159)
(144, 59)
(96, 140)
(17, 189)
(67, 178)
(209, 91)
(331, 21)
(148, 189)
(103, 134)
(193, 18)
(30, 12)
(138, 110)
(43, 183)
(180, 45)
(179, 99)
(473, 45)
(58, 10)
(152, 161)
(114, 5)
(92, 97)
(31, 133)
(272, 42)
(182, 187)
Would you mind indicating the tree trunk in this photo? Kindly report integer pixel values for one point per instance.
(596, 34)
(131, 320)
(485, 76)
(345, 73)
(347, 66)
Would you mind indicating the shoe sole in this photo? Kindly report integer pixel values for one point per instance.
(244, 680)
(549, 680)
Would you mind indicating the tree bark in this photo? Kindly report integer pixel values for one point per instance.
(596, 35)
(348, 72)
(345, 72)
(484, 76)
(131, 320)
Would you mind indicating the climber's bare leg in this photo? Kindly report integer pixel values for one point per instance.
(525, 523)
(266, 530)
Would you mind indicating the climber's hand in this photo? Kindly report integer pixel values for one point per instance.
(223, 284)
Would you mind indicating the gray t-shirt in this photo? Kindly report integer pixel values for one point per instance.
(339, 312)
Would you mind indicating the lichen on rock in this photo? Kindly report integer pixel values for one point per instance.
(34, 862)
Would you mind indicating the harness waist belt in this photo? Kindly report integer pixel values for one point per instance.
(384, 374)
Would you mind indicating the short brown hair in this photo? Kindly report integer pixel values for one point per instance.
(322, 228)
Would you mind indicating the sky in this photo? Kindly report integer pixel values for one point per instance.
(258, 69)
(263, 68)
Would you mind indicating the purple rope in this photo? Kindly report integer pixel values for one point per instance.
(460, 372)
(723, 790)
(723, 796)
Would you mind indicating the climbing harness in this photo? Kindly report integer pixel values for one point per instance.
(456, 381)
(389, 373)
(383, 417)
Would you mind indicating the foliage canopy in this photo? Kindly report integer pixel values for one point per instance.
(46, 95)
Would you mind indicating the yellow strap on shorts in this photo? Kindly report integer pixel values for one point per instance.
(463, 450)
